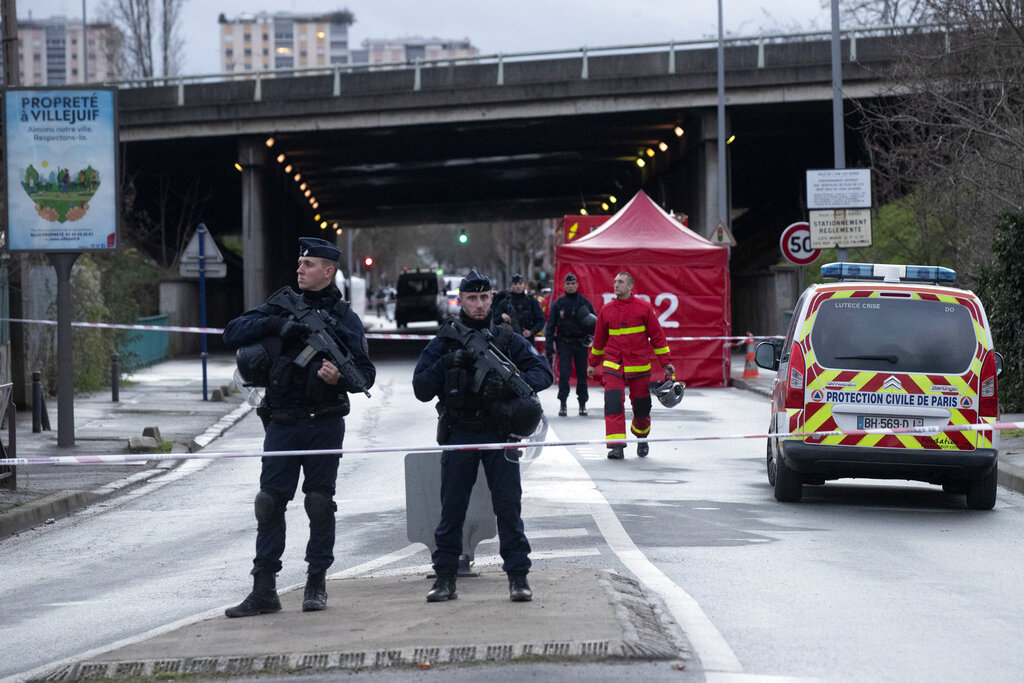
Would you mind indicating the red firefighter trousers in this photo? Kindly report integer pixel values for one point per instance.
(614, 405)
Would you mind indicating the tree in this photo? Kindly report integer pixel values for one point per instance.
(999, 286)
(949, 131)
(881, 12)
(151, 34)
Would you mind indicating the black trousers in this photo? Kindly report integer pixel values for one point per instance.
(570, 352)
(280, 477)
(458, 475)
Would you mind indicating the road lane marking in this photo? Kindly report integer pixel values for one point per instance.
(534, 534)
(557, 480)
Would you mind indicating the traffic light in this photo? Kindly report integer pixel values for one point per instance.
(368, 261)
(463, 237)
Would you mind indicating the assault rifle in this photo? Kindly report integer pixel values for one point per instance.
(321, 339)
(486, 357)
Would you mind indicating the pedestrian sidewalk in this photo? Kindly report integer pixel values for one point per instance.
(167, 396)
(1011, 445)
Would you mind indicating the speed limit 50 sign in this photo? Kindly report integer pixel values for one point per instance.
(795, 244)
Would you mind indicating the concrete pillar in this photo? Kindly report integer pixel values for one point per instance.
(707, 204)
(252, 156)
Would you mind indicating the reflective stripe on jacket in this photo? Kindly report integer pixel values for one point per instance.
(625, 331)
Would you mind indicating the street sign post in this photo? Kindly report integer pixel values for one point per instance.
(795, 244)
(202, 259)
(722, 235)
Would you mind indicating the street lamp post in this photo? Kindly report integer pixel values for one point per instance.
(723, 206)
(85, 49)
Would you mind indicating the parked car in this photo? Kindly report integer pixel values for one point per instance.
(420, 297)
(886, 347)
(451, 286)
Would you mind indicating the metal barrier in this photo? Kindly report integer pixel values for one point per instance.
(499, 60)
(8, 411)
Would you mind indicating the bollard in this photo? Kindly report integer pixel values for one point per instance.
(37, 402)
(115, 377)
(750, 368)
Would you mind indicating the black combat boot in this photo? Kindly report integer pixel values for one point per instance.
(263, 598)
(583, 408)
(314, 598)
(518, 588)
(562, 410)
(642, 449)
(444, 589)
(616, 452)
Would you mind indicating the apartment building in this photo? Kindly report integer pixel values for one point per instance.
(50, 52)
(402, 50)
(258, 42)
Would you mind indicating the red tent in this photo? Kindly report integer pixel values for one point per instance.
(683, 275)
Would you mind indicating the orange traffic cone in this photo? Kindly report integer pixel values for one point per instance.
(750, 368)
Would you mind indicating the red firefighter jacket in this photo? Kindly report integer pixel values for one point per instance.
(621, 338)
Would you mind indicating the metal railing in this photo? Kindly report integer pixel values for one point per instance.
(8, 475)
(500, 59)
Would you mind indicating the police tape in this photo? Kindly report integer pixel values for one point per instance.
(369, 335)
(121, 458)
(115, 326)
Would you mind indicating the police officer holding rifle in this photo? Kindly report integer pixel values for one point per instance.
(309, 350)
(484, 376)
(571, 326)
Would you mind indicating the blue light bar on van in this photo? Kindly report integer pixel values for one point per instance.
(888, 272)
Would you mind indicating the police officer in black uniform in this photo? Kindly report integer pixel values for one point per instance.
(520, 310)
(568, 329)
(304, 409)
(443, 371)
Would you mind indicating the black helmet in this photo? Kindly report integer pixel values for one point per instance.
(669, 392)
(255, 360)
(522, 415)
(587, 319)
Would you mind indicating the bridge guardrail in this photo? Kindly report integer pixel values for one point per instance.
(500, 59)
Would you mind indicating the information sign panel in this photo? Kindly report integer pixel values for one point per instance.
(840, 228)
(61, 169)
(839, 188)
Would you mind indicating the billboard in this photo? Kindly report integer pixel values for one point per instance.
(62, 176)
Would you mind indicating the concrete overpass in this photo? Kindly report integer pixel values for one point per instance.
(504, 138)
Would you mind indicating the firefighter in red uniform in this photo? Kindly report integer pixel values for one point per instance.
(621, 346)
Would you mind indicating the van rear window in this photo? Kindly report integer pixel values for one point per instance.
(413, 286)
(888, 334)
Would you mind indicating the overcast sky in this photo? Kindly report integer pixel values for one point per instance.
(492, 27)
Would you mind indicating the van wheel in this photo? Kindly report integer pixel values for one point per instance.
(771, 464)
(957, 486)
(981, 493)
(789, 487)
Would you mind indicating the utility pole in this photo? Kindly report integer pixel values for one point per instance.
(723, 191)
(838, 134)
(9, 16)
(12, 78)
(85, 49)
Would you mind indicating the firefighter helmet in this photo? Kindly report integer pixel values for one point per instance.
(669, 392)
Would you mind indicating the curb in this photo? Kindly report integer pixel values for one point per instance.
(63, 503)
(740, 383)
(1011, 477)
